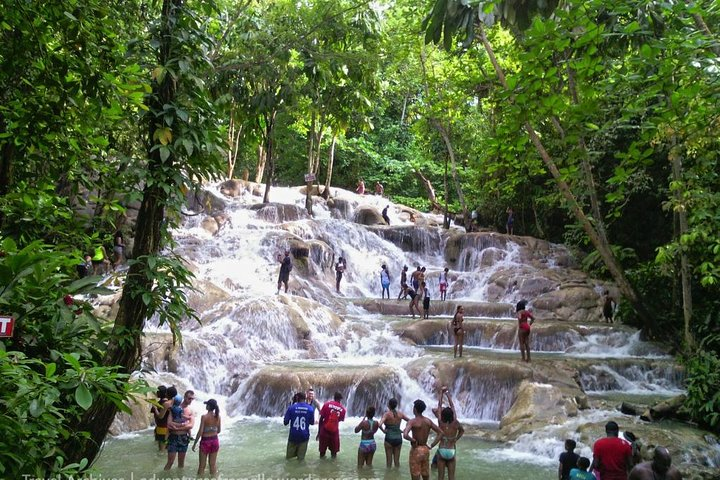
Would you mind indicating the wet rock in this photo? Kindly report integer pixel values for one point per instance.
(402, 307)
(340, 208)
(410, 238)
(367, 215)
(279, 212)
(210, 225)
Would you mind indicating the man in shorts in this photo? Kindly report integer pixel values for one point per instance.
(612, 456)
(299, 416)
(331, 414)
(179, 433)
(420, 427)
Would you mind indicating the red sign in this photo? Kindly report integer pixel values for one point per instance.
(6, 326)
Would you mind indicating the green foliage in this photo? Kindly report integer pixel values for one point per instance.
(703, 389)
(50, 370)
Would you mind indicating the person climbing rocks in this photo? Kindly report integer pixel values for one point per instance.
(379, 189)
(360, 190)
(608, 307)
(385, 281)
(443, 283)
(340, 267)
(285, 269)
(385, 214)
(403, 283)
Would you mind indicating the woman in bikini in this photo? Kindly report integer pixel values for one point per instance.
(208, 436)
(525, 319)
(458, 331)
(367, 447)
(452, 431)
(390, 426)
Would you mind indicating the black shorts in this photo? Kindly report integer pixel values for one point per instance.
(426, 303)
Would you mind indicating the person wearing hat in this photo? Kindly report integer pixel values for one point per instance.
(208, 435)
(659, 469)
(612, 456)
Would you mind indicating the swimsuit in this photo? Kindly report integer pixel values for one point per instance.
(420, 461)
(393, 435)
(368, 446)
(209, 445)
(446, 453)
(178, 443)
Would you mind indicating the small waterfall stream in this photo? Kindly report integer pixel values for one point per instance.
(254, 348)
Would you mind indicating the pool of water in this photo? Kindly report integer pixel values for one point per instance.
(254, 448)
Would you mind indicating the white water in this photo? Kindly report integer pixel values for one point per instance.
(252, 333)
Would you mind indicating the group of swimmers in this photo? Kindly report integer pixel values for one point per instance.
(301, 414)
(174, 421)
(616, 458)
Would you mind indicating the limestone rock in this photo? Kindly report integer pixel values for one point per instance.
(210, 225)
(367, 215)
(279, 212)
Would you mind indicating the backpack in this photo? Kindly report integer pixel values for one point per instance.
(332, 423)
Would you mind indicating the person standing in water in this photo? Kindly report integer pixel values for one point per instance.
(331, 414)
(285, 269)
(420, 427)
(510, 221)
(161, 414)
(659, 469)
(452, 431)
(443, 283)
(415, 279)
(426, 300)
(385, 281)
(403, 283)
(367, 447)
(179, 428)
(608, 307)
(300, 415)
(458, 330)
(340, 267)
(525, 319)
(208, 436)
(420, 293)
(390, 425)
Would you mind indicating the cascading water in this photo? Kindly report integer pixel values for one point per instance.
(254, 348)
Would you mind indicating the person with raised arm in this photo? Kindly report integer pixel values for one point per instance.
(452, 432)
(390, 426)
(420, 427)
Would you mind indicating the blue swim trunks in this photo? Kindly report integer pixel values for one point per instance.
(178, 443)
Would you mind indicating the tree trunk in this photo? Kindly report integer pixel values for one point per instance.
(446, 140)
(681, 213)
(451, 153)
(310, 160)
(587, 168)
(269, 160)
(234, 133)
(331, 162)
(603, 248)
(434, 205)
(260, 170)
(123, 349)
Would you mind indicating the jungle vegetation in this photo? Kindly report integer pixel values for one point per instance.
(596, 121)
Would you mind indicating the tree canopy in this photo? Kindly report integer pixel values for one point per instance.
(596, 121)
